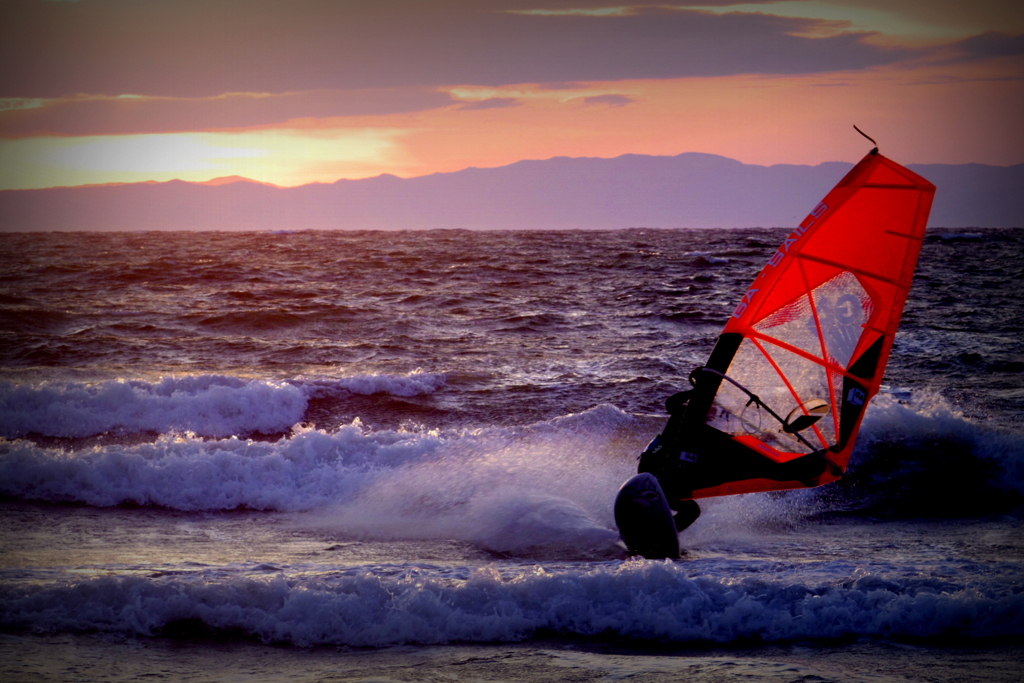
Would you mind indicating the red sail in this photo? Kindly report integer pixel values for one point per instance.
(812, 334)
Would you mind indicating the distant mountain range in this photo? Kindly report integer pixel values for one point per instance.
(689, 190)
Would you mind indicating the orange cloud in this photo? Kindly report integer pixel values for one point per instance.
(928, 114)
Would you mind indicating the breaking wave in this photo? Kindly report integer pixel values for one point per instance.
(509, 489)
(211, 405)
(206, 405)
(416, 383)
(923, 458)
(661, 601)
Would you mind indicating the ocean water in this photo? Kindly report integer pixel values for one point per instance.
(392, 456)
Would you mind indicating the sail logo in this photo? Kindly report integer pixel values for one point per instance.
(856, 396)
(812, 218)
(747, 299)
(795, 236)
(779, 255)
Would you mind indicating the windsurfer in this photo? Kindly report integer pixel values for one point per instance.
(671, 472)
(811, 336)
(686, 457)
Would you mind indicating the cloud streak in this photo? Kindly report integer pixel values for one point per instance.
(492, 103)
(610, 100)
(196, 48)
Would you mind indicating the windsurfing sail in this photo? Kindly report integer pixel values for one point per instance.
(785, 388)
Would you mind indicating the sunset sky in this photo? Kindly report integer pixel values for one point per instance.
(298, 91)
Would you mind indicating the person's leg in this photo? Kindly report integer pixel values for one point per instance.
(687, 512)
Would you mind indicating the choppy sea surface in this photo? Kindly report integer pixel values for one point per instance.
(393, 455)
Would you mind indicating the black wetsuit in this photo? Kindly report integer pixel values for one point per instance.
(657, 460)
(698, 457)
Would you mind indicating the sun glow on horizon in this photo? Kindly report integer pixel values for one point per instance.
(283, 157)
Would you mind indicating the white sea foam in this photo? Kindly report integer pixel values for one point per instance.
(415, 383)
(706, 257)
(210, 405)
(542, 488)
(206, 405)
(305, 470)
(637, 599)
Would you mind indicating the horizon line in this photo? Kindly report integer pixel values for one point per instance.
(235, 178)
